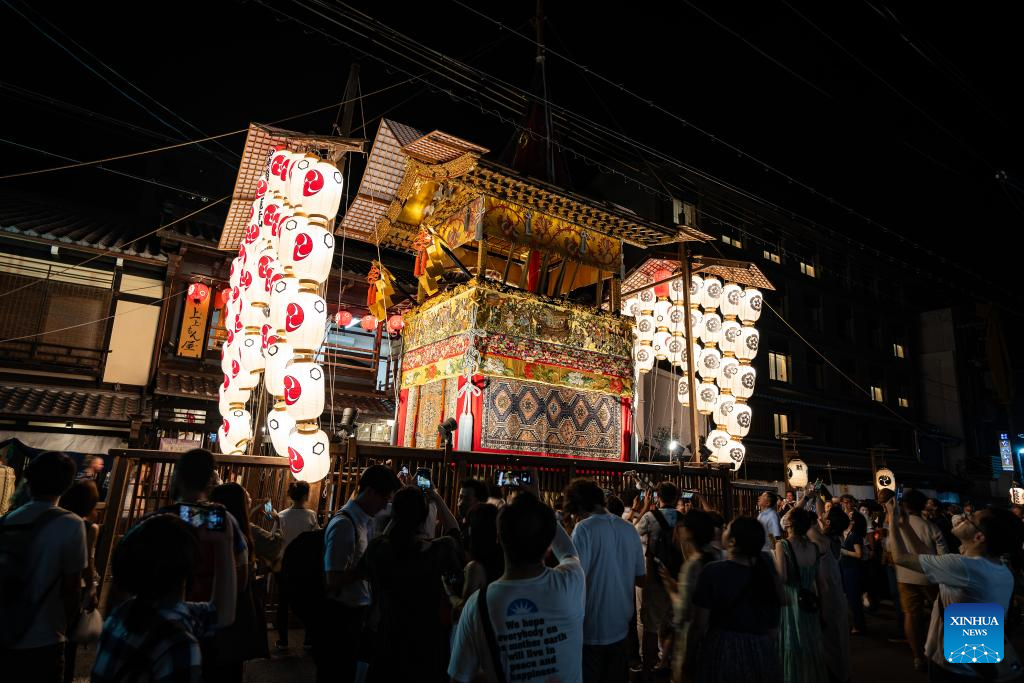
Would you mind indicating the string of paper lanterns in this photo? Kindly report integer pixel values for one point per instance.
(722, 342)
(274, 315)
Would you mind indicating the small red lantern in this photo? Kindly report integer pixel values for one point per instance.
(395, 324)
(368, 323)
(223, 297)
(343, 318)
(661, 291)
(198, 292)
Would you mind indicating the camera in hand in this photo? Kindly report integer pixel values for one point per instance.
(423, 478)
(202, 516)
(513, 478)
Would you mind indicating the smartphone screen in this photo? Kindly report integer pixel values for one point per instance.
(524, 479)
(686, 495)
(423, 478)
(200, 516)
(405, 471)
(268, 507)
(817, 484)
(899, 493)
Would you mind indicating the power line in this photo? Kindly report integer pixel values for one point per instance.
(151, 181)
(132, 241)
(191, 142)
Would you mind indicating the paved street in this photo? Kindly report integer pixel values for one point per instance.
(875, 659)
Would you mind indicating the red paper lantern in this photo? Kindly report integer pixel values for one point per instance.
(662, 289)
(395, 324)
(198, 292)
(343, 318)
(368, 323)
(223, 297)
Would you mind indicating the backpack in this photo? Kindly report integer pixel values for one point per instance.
(17, 607)
(665, 549)
(302, 572)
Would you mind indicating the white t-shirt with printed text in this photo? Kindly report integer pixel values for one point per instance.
(538, 624)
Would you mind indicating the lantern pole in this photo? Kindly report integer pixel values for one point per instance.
(684, 260)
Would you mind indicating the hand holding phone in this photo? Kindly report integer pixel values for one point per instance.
(268, 508)
(423, 479)
(200, 516)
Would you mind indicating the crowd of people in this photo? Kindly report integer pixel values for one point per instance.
(600, 586)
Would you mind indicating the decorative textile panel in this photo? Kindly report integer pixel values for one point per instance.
(535, 419)
(430, 414)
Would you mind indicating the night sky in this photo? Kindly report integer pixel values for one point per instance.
(907, 115)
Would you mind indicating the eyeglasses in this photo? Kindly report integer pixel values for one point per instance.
(969, 519)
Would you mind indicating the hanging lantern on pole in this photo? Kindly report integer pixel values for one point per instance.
(368, 323)
(643, 357)
(683, 391)
(305, 320)
(343, 318)
(280, 425)
(321, 189)
(198, 292)
(796, 473)
(235, 432)
(395, 324)
(304, 389)
(309, 455)
(711, 293)
(750, 306)
(885, 479)
(1017, 495)
(278, 355)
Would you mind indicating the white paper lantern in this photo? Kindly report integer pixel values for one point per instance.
(728, 374)
(730, 337)
(707, 397)
(235, 392)
(709, 364)
(733, 453)
(252, 315)
(750, 339)
(716, 440)
(643, 357)
(251, 352)
(711, 329)
(723, 409)
(645, 328)
(796, 473)
(647, 298)
(731, 301)
(248, 380)
(676, 350)
(677, 290)
(321, 189)
(299, 179)
(1017, 496)
(254, 233)
(262, 270)
(696, 323)
(660, 344)
(750, 308)
(282, 292)
(235, 432)
(280, 161)
(229, 353)
(305, 321)
(307, 248)
(223, 406)
(661, 313)
(739, 420)
(677, 318)
(743, 384)
(304, 390)
(272, 212)
(235, 277)
(683, 391)
(278, 355)
(885, 479)
(711, 293)
(628, 306)
(309, 454)
(280, 425)
(696, 289)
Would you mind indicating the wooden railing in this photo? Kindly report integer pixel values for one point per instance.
(45, 355)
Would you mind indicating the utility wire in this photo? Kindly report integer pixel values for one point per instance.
(151, 181)
(189, 142)
(132, 241)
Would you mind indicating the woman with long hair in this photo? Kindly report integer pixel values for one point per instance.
(246, 638)
(405, 571)
(486, 560)
(798, 564)
(736, 613)
(827, 534)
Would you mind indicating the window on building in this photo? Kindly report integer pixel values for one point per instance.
(781, 423)
(732, 241)
(876, 394)
(778, 366)
(771, 256)
(897, 350)
(807, 269)
(904, 402)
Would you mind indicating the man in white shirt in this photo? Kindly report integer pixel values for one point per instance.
(56, 557)
(769, 519)
(336, 642)
(535, 613)
(915, 590)
(612, 558)
(655, 613)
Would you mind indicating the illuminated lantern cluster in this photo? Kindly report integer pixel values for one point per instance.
(274, 314)
(722, 342)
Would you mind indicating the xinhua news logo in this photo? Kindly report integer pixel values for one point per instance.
(972, 633)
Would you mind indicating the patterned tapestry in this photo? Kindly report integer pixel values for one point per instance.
(430, 414)
(525, 417)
